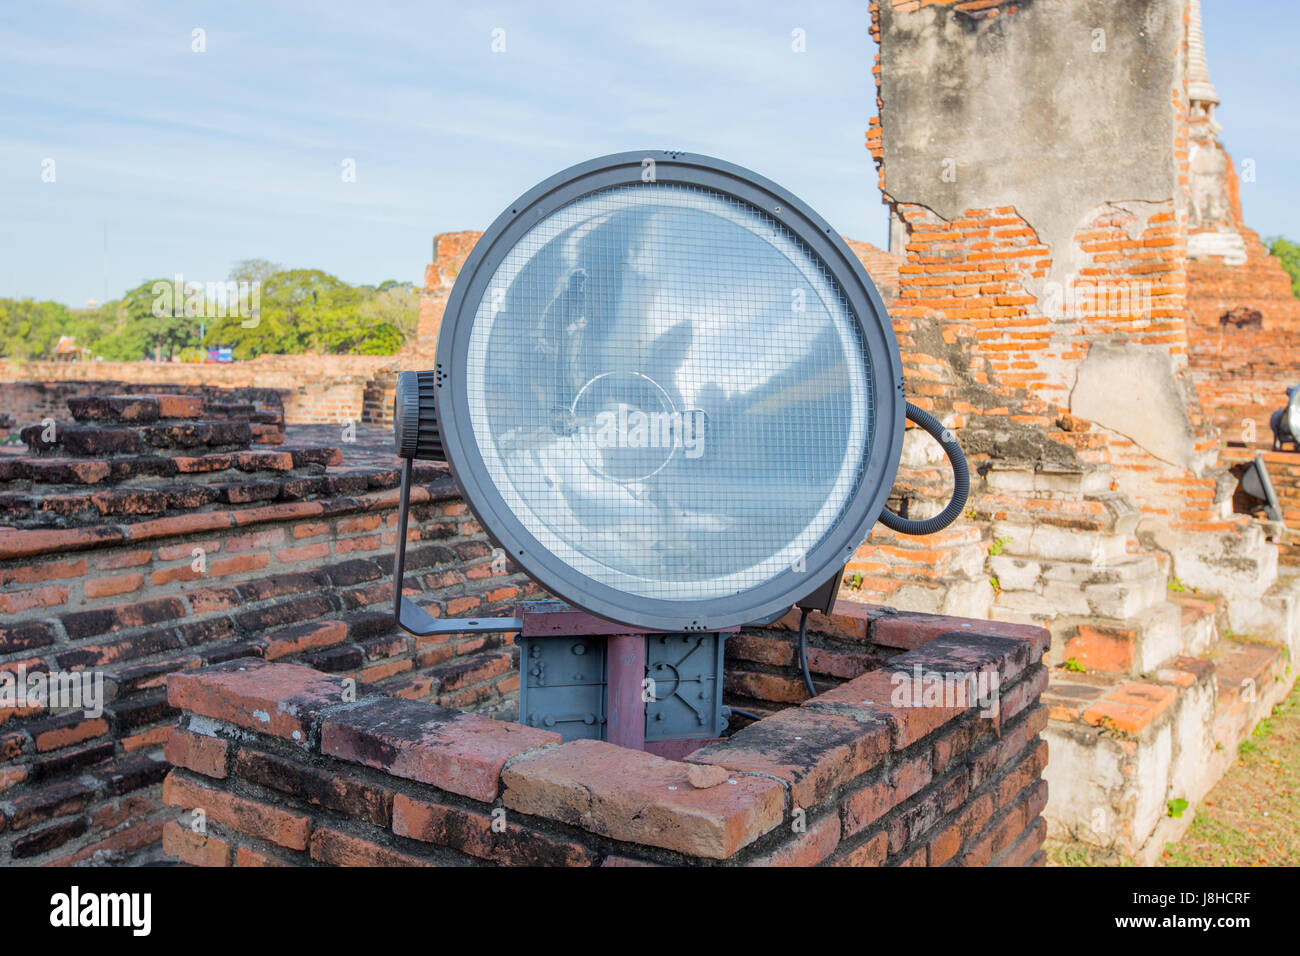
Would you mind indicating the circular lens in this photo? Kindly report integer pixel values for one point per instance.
(669, 391)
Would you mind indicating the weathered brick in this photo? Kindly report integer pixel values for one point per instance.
(814, 753)
(306, 636)
(51, 733)
(265, 822)
(247, 856)
(49, 802)
(320, 788)
(109, 586)
(52, 837)
(282, 700)
(472, 833)
(25, 636)
(879, 695)
(640, 798)
(458, 752)
(196, 849)
(205, 755)
(808, 848)
(871, 852)
(341, 849)
(962, 654)
(84, 624)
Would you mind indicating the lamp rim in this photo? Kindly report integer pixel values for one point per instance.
(508, 532)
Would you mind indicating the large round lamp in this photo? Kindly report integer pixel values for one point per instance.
(667, 389)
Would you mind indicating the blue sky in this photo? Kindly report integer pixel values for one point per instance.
(192, 161)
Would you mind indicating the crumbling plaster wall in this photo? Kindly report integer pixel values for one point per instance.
(971, 91)
(1027, 107)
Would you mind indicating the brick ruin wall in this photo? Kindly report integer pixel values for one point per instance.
(849, 778)
(1053, 319)
(157, 534)
(1243, 346)
(313, 389)
(155, 537)
(1078, 521)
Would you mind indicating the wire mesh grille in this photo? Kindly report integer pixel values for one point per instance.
(670, 392)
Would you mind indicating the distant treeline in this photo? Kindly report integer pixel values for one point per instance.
(261, 308)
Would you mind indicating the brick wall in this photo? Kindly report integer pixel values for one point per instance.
(857, 776)
(450, 250)
(313, 388)
(132, 566)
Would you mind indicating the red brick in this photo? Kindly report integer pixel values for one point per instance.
(302, 637)
(247, 856)
(808, 848)
(27, 542)
(637, 797)
(471, 832)
(64, 732)
(870, 853)
(340, 849)
(107, 587)
(1023, 774)
(124, 559)
(264, 822)
(241, 564)
(255, 541)
(196, 849)
(179, 406)
(182, 572)
(863, 807)
(1131, 707)
(205, 755)
(769, 687)
(179, 525)
(307, 552)
(44, 571)
(1022, 852)
(909, 631)
(146, 738)
(814, 753)
(354, 798)
(282, 700)
(458, 752)
(126, 840)
(871, 696)
(48, 596)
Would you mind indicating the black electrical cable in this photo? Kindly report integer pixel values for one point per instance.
(745, 713)
(960, 480)
(803, 652)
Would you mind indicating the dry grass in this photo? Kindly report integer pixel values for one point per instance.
(1250, 818)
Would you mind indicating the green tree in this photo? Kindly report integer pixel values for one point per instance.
(293, 310)
(31, 329)
(1289, 253)
(311, 310)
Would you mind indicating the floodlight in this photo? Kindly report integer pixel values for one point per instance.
(671, 394)
(667, 389)
(1285, 422)
(1255, 482)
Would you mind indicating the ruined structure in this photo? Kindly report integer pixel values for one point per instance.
(1045, 184)
(194, 558)
(850, 778)
(146, 534)
(1066, 239)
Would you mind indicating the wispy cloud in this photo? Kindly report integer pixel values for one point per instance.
(194, 160)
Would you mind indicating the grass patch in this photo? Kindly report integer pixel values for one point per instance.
(1248, 819)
